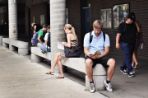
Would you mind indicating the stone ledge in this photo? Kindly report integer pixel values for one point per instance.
(74, 63)
(37, 51)
(99, 72)
(11, 43)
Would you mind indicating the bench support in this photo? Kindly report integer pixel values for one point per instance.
(99, 75)
(12, 48)
(12, 44)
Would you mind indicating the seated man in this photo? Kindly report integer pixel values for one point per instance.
(41, 34)
(96, 49)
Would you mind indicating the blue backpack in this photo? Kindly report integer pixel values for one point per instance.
(34, 39)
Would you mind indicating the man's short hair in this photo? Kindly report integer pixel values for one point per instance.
(132, 16)
(44, 26)
(97, 23)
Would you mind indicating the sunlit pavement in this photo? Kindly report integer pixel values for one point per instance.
(20, 78)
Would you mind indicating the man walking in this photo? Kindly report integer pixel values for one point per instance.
(126, 39)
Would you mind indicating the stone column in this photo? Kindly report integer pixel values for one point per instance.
(57, 21)
(12, 4)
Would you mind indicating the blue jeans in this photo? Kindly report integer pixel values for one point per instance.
(45, 48)
(128, 52)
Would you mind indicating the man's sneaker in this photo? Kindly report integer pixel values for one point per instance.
(131, 74)
(108, 86)
(92, 87)
(123, 71)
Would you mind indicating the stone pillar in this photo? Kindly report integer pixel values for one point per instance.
(12, 4)
(57, 21)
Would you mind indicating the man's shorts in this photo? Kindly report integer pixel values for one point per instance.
(102, 61)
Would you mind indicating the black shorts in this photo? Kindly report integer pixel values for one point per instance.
(102, 61)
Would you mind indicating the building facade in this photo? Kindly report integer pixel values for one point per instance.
(80, 13)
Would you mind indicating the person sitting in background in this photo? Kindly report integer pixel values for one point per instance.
(35, 29)
(41, 34)
(45, 47)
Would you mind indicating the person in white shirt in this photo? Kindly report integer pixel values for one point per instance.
(45, 47)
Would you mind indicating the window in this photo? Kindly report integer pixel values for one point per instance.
(34, 19)
(42, 19)
(106, 18)
(119, 13)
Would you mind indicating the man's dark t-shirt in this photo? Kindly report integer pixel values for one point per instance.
(128, 33)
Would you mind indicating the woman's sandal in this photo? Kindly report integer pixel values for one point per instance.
(60, 77)
(51, 73)
(137, 66)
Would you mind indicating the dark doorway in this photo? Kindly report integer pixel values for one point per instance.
(86, 19)
(85, 16)
(4, 20)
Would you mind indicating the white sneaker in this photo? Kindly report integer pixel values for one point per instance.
(92, 88)
(108, 86)
(131, 74)
(123, 71)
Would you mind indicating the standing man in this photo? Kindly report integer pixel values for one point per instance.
(96, 49)
(126, 38)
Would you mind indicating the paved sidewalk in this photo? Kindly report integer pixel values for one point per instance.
(125, 87)
(19, 78)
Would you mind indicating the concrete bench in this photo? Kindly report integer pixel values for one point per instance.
(36, 54)
(99, 72)
(78, 64)
(5, 42)
(12, 44)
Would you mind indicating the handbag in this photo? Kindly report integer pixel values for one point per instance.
(73, 51)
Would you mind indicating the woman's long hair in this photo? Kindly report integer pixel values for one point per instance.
(72, 29)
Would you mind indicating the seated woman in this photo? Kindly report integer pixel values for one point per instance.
(71, 41)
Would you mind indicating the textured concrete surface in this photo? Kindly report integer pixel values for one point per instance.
(19, 78)
(125, 87)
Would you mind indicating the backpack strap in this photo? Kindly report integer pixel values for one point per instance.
(104, 36)
(91, 37)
